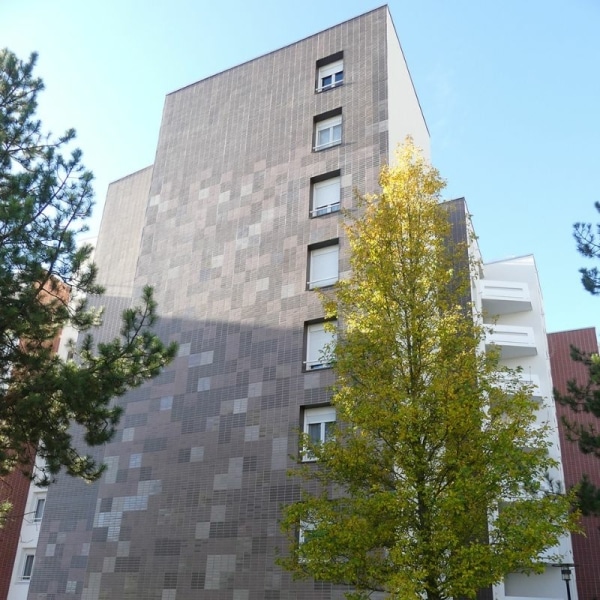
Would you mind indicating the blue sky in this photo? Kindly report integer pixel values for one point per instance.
(510, 91)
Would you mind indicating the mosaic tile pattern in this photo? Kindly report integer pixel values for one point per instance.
(220, 227)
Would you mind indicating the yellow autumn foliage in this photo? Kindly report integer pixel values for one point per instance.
(433, 486)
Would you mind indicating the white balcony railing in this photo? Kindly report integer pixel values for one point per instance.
(532, 380)
(512, 340)
(504, 297)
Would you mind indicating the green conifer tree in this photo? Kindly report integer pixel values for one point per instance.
(45, 197)
(585, 397)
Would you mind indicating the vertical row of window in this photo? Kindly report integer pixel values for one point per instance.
(28, 556)
(318, 422)
(326, 188)
(323, 258)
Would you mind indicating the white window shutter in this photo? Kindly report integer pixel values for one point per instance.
(324, 267)
(326, 193)
(317, 340)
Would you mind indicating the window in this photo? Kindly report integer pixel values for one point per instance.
(38, 513)
(330, 76)
(325, 194)
(27, 568)
(317, 341)
(330, 72)
(318, 426)
(304, 531)
(323, 267)
(328, 130)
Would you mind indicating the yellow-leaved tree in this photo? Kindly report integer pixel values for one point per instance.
(433, 485)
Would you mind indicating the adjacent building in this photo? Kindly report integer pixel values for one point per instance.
(586, 546)
(20, 532)
(511, 299)
(18, 545)
(13, 489)
(234, 225)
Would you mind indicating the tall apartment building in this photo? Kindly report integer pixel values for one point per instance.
(234, 224)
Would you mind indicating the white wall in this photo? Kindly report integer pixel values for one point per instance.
(546, 585)
(404, 112)
(523, 269)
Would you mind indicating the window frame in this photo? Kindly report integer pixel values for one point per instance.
(303, 528)
(317, 415)
(330, 66)
(329, 121)
(27, 563)
(322, 182)
(318, 250)
(317, 364)
(39, 499)
(335, 71)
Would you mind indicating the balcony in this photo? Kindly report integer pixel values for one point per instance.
(531, 380)
(503, 297)
(512, 340)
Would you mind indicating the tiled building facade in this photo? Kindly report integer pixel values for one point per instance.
(234, 224)
(228, 225)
